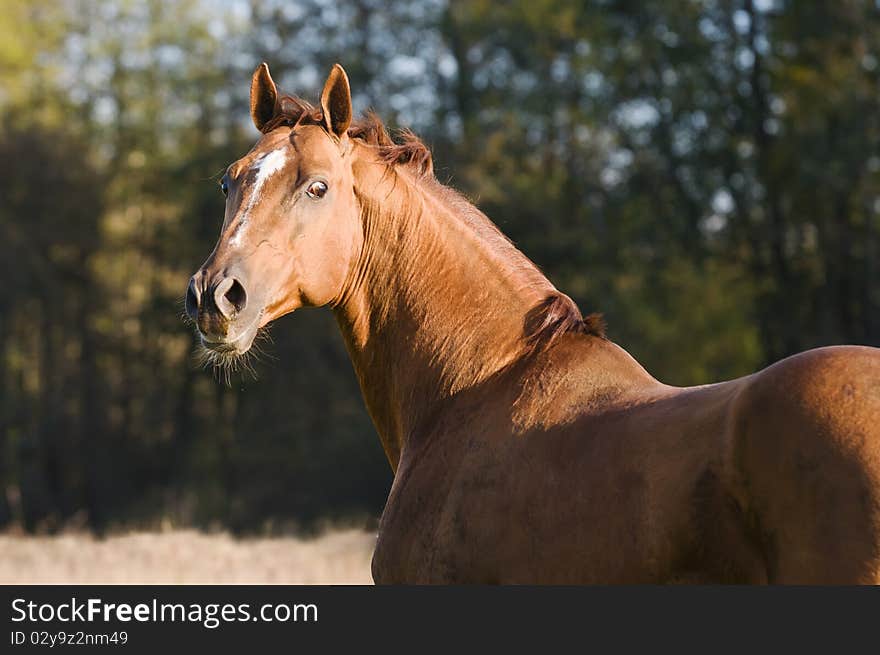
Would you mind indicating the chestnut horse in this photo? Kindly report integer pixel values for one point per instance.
(526, 447)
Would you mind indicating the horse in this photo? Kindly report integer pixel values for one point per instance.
(526, 446)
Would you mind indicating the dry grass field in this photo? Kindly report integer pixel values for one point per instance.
(187, 557)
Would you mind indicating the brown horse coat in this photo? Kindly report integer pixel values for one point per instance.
(526, 447)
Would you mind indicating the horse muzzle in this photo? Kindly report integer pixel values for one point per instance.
(219, 307)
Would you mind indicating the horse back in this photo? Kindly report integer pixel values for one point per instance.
(771, 477)
(803, 461)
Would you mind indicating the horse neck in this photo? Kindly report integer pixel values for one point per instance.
(435, 305)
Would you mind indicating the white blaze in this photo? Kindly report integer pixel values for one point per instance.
(265, 167)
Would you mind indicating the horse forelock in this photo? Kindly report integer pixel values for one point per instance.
(408, 150)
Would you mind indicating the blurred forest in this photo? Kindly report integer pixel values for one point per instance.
(705, 173)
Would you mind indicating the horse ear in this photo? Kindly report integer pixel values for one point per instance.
(336, 101)
(264, 97)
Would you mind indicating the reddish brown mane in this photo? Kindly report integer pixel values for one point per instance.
(553, 317)
(410, 151)
(556, 315)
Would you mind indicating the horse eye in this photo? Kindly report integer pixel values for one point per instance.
(317, 190)
(224, 186)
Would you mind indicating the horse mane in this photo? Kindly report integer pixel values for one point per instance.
(409, 150)
(553, 317)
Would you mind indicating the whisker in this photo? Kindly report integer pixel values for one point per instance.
(226, 364)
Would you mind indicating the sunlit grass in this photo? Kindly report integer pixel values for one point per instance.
(187, 557)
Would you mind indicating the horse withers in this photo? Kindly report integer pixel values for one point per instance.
(528, 448)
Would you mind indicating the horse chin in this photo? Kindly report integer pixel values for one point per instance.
(230, 349)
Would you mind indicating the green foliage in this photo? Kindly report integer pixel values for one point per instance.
(706, 174)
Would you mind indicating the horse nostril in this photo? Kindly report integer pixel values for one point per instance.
(192, 300)
(236, 295)
(230, 297)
